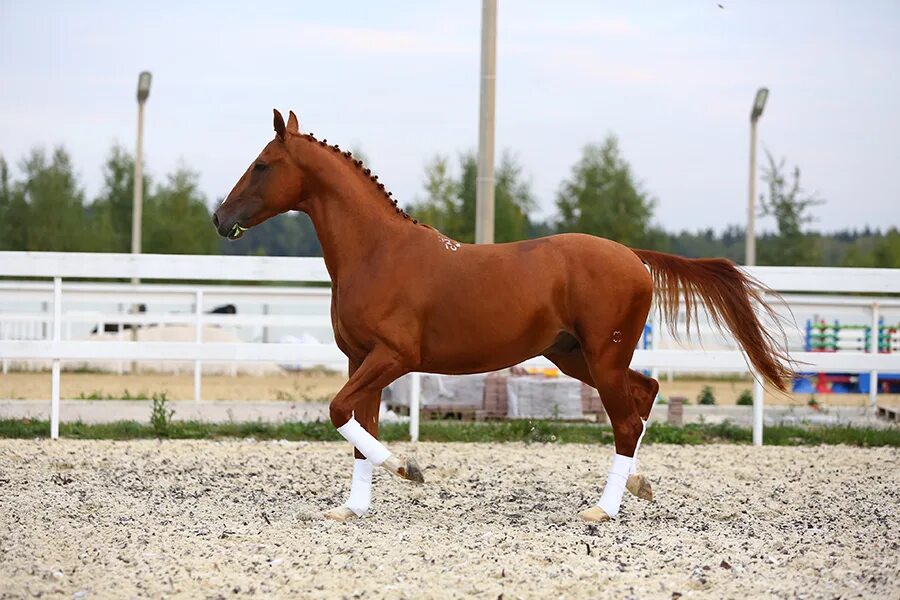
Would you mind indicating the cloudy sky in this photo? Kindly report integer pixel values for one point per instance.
(399, 80)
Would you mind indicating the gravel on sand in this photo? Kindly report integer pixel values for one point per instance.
(82, 519)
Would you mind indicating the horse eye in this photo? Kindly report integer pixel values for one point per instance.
(260, 167)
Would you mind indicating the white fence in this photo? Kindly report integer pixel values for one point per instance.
(820, 287)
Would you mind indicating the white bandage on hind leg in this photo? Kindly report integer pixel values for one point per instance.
(361, 487)
(611, 499)
(363, 441)
(634, 462)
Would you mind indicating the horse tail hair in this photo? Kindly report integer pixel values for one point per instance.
(729, 295)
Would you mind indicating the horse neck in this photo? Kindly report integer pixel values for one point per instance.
(353, 219)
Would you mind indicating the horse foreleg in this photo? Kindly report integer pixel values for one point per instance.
(360, 498)
(379, 369)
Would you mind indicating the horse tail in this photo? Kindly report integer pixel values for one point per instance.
(729, 295)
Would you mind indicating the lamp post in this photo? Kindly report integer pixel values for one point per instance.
(759, 103)
(143, 91)
(484, 189)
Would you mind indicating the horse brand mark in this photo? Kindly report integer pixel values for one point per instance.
(449, 244)
(617, 336)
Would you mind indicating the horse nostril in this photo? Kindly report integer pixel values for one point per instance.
(216, 220)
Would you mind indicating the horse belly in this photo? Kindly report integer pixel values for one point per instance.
(486, 335)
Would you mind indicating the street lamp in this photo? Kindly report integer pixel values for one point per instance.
(143, 91)
(759, 103)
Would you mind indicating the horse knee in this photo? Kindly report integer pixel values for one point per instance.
(339, 414)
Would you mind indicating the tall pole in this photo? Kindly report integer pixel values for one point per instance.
(137, 209)
(484, 191)
(759, 103)
(143, 92)
(138, 205)
(750, 242)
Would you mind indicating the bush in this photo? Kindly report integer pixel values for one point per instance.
(745, 399)
(706, 397)
(161, 415)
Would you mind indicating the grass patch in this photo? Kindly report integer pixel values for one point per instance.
(125, 395)
(452, 431)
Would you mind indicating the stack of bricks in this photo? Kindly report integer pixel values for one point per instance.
(676, 411)
(591, 404)
(496, 399)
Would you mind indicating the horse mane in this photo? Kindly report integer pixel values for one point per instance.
(358, 164)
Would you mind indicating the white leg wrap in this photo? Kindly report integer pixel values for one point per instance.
(634, 465)
(363, 441)
(615, 485)
(361, 487)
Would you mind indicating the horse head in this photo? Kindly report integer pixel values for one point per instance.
(271, 185)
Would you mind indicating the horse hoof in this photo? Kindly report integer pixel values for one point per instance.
(594, 514)
(639, 486)
(407, 468)
(413, 472)
(340, 513)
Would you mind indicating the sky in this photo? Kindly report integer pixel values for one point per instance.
(400, 81)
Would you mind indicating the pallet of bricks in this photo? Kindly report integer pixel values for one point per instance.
(500, 395)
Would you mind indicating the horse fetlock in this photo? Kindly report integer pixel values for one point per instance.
(406, 468)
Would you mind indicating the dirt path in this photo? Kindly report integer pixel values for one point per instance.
(217, 519)
(321, 387)
(287, 387)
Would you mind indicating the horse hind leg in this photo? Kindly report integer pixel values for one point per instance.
(642, 393)
(608, 360)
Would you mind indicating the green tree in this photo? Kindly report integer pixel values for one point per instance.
(112, 209)
(603, 198)
(791, 206)
(440, 208)
(8, 232)
(290, 234)
(875, 251)
(887, 250)
(45, 210)
(450, 203)
(176, 218)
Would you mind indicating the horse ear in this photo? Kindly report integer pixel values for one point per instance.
(279, 124)
(293, 125)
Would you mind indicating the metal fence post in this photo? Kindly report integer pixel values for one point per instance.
(198, 337)
(415, 392)
(57, 330)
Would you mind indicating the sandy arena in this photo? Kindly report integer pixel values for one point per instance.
(234, 518)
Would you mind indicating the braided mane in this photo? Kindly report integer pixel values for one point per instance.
(365, 171)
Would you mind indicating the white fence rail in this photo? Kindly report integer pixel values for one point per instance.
(267, 270)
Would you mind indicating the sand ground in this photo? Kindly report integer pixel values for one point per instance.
(81, 519)
(321, 387)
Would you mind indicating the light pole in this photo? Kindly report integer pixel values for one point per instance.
(484, 189)
(759, 103)
(143, 91)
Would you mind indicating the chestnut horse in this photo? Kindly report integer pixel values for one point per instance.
(406, 298)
